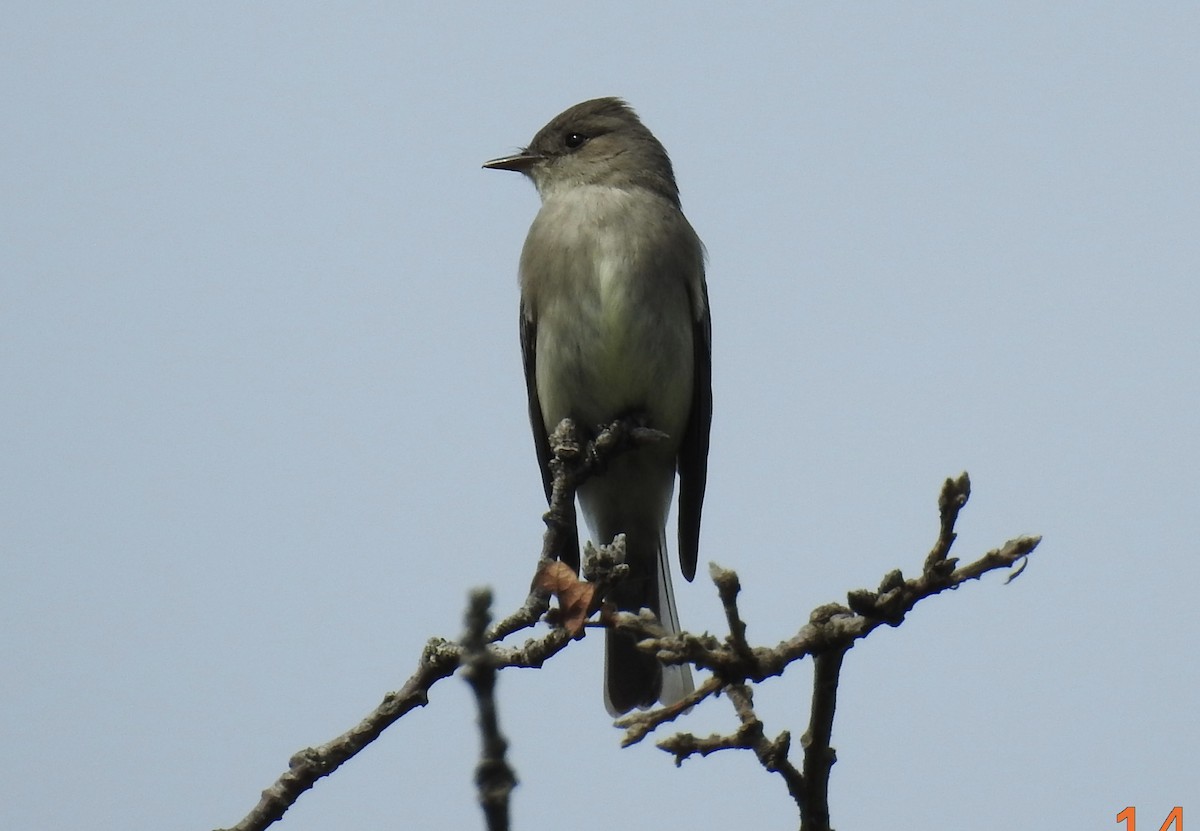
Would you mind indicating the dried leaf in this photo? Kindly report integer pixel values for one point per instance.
(574, 595)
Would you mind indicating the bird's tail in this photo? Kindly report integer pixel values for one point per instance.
(631, 677)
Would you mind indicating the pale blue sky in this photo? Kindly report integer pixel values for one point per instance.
(263, 416)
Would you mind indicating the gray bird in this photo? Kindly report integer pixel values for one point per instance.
(615, 323)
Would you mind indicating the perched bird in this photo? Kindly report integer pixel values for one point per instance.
(615, 323)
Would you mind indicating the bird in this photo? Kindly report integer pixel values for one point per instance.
(615, 323)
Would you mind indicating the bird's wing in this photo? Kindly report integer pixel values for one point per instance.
(693, 452)
(541, 441)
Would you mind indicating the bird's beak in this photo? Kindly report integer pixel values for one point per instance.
(521, 162)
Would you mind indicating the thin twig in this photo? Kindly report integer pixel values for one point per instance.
(493, 776)
(819, 755)
(831, 630)
(728, 588)
(772, 754)
(440, 658)
(954, 495)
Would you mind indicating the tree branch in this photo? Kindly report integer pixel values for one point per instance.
(440, 657)
(493, 776)
(830, 632)
(819, 755)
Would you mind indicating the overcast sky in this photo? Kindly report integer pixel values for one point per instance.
(263, 416)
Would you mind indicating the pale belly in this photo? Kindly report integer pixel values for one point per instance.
(614, 354)
(612, 309)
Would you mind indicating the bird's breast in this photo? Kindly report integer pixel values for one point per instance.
(607, 283)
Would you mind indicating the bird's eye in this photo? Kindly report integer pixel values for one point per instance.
(575, 140)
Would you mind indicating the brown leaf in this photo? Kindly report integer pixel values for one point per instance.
(574, 595)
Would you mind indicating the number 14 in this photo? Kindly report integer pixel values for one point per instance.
(1173, 820)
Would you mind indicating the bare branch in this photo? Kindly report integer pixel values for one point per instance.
(493, 776)
(441, 658)
(831, 631)
(526, 617)
(573, 462)
(954, 495)
(819, 755)
(641, 723)
(728, 588)
(772, 754)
